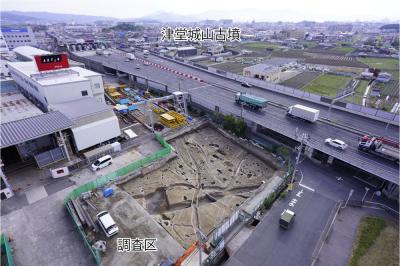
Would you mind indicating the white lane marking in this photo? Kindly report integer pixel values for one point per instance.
(306, 187)
(198, 87)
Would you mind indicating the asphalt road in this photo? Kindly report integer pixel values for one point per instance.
(271, 245)
(211, 94)
(367, 124)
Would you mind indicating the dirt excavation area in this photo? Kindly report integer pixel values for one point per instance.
(210, 169)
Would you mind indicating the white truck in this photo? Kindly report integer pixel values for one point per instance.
(130, 56)
(303, 112)
(146, 53)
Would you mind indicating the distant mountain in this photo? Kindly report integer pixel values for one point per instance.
(13, 17)
(167, 17)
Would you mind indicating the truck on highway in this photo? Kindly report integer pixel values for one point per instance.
(252, 101)
(146, 53)
(303, 112)
(130, 56)
(380, 146)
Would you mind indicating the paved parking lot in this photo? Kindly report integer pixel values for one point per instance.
(271, 245)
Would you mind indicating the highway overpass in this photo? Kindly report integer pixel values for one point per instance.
(213, 91)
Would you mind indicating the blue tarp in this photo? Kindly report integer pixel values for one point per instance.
(124, 101)
(132, 107)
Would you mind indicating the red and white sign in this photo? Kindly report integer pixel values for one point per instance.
(51, 62)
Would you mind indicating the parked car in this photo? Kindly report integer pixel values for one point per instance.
(286, 219)
(107, 223)
(336, 143)
(102, 162)
(245, 84)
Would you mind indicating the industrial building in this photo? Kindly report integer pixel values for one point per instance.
(53, 112)
(263, 72)
(186, 51)
(55, 86)
(15, 37)
(3, 44)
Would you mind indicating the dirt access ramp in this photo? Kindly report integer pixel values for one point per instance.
(209, 167)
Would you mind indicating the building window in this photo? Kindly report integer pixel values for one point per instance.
(96, 85)
(84, 93)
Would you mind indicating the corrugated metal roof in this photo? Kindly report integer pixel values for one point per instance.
(19, 131)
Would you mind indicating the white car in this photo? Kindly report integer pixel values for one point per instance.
(107, 223)
(336, 143)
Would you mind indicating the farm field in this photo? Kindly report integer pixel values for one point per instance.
(327, 84)
(233, 67)
(301, 79)
(345, 49)
(390, 65)
(260, 45)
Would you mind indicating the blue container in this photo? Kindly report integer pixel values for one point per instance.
(124, 101)
(108, 192)
(132, 107)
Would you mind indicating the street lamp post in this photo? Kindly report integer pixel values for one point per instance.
(366, 192)
(348, 198)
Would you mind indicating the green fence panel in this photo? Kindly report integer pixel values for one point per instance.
(95, 253)
(103, 180)
(5, 247)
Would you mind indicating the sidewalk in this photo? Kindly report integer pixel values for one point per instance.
(338, 246)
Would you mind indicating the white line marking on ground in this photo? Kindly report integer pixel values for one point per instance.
(306, 187)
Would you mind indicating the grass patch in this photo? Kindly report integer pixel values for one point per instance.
(327, 84)
(345, 49)
(359, 92)
(368, 231)
(234, 67)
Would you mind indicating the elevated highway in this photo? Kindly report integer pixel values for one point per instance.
(213, 92)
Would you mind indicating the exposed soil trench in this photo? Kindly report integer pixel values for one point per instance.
(210, 172)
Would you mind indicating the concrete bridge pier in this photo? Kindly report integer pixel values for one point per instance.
(309, 152)
(391, 190)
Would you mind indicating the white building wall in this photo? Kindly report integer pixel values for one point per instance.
(94, 133)
(59, 93)
(30, 86)
(97, 87)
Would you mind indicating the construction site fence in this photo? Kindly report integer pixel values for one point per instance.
(103, 180)
(6, 249)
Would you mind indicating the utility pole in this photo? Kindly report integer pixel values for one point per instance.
(303, 138)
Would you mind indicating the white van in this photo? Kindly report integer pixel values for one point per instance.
(107, 223)
(102, 162)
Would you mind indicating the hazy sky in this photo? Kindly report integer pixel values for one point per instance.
(241, 10)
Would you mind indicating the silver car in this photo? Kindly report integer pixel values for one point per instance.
(337, 143)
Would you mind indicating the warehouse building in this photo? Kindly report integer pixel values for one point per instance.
(15, 37)
(263, 72)
(27, 53)
(75, 93)
(53, 86)
(92, 122)
(186, 51)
